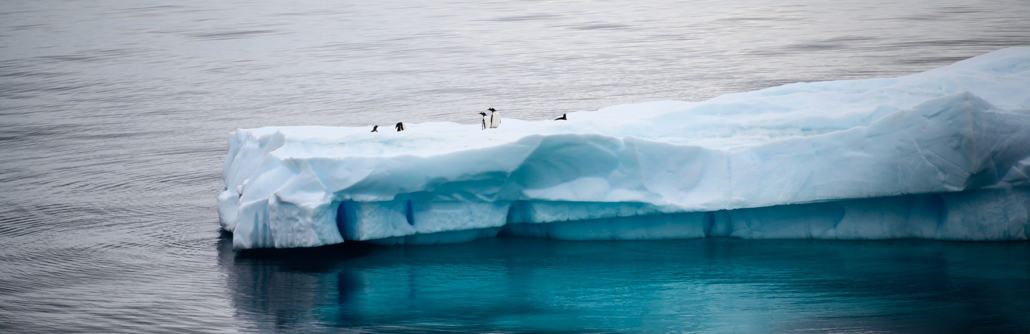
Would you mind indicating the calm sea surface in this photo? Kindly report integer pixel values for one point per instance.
(114, 118)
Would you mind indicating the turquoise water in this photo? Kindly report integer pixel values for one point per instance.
(114, 123)
(714, 285)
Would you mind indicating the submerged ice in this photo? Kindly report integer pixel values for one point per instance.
(943, 154)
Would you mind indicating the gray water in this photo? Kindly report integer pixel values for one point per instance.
(114, 118)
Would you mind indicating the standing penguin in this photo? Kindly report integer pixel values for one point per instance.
(485, 120)
(495, 118)
(399, 126)
(375, 128)
(562, 118)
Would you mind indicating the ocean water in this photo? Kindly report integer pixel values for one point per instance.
(703, 286)
(114, 118)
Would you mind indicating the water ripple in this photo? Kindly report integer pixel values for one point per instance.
(114, 119)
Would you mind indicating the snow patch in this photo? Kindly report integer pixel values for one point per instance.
(943, 154)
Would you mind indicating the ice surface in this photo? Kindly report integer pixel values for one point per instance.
(943, 154)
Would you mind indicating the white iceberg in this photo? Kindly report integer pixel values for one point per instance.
(943, 154)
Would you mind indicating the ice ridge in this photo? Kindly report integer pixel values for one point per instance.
(943, 154)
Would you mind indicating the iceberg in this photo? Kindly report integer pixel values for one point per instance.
(943, 154)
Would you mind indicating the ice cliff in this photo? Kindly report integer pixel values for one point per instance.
(943, 154)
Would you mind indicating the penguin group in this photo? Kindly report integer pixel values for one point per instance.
(492, 121)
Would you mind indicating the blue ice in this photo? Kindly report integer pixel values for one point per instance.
(943, 154)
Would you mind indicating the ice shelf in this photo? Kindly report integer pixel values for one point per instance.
(943, 154)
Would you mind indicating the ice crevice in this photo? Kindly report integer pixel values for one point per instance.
(907, 157)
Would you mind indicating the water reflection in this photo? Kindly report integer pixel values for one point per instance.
(114, 117)
(724, 285)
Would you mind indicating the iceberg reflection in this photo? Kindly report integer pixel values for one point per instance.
(716, 284)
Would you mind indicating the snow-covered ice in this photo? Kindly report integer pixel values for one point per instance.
(943, 154)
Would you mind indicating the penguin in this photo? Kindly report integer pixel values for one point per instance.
(562, 118)
(484, 119)
(495, 118)
(375, 128)
(399, 126)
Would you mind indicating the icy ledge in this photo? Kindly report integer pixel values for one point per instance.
(943, 154)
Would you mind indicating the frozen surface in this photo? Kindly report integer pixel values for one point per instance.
(943, 154)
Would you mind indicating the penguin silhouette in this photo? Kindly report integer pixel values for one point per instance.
(495, 118)
(375, 128)
(399, 126)
(562, 118)
(485, 120)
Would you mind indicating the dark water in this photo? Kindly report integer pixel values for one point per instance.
(714, 285)
(113, 124)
